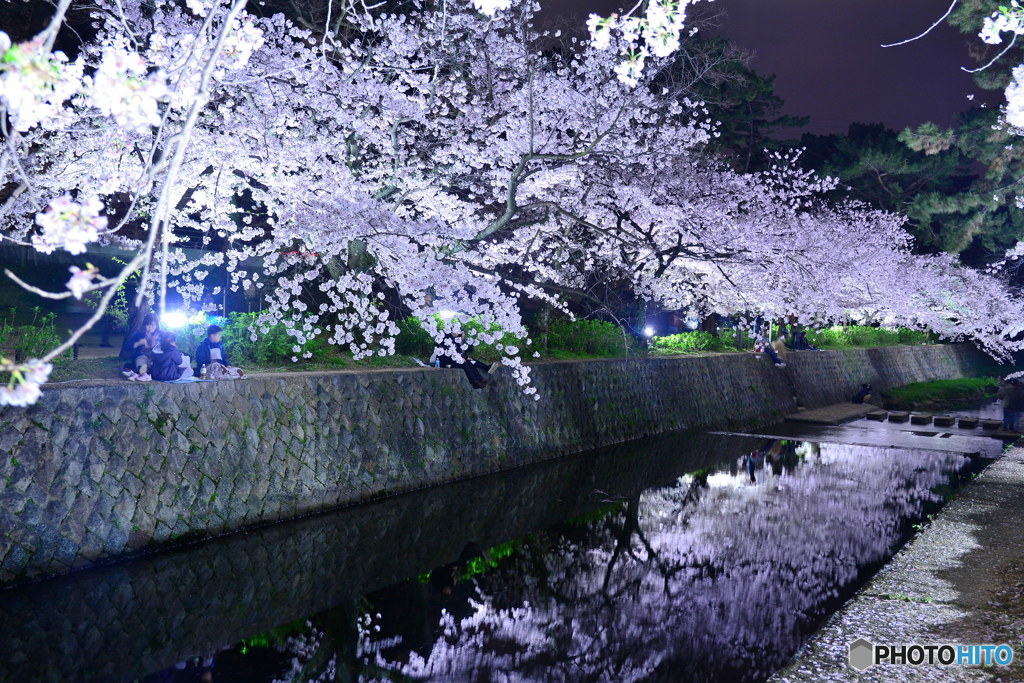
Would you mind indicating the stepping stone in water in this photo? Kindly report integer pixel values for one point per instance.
(944, 421)
(899, 417)
(968, 422)
(920, 419)
(877, 416)
(991, 424)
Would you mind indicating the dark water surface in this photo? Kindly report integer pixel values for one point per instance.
(677, 558)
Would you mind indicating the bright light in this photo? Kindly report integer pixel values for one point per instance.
(447, 315)
(174, 320)
(649, 331)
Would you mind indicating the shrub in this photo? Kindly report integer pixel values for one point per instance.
(33, 340)
(692, 342)
(590, 337)
(861, 335)
(412, 339)
(963, 392)
(491, 352)
(912, 336)
(270, 347)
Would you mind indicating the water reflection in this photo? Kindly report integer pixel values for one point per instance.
(170, 611)
(713, 578)
(681, 558)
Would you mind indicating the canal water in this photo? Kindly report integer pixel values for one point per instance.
(686, 557)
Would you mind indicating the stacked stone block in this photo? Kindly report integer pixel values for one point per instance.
(103, 470)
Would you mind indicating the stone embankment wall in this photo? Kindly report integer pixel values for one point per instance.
(109, 469)
(124, 622)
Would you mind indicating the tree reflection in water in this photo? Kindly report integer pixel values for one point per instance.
(715, 578)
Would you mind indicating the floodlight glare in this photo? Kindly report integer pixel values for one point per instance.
(174, 320)
(649, 331)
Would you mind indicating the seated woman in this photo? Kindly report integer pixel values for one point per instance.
(476, 372)
(168, 365)
(802, 344)
(212, 355)
(138, 350)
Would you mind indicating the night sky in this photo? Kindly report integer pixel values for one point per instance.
(829, 65)
(826, 55)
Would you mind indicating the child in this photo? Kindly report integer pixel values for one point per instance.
(211, 354)
(167, 365)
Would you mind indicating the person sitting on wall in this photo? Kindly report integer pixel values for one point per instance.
(213, 357)
(169, 365)
(802, 344)
(140, 348)
(780, 347)
(864, 395)
(476, 371)
(761, 345)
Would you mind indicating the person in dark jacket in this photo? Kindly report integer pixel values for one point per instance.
(211, 350)
(167, 365)
(476, 372)
(802, 344)
(864, 395)
(1012, 394)
(212, 355)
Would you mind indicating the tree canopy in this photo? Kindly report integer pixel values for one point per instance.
(444, 158)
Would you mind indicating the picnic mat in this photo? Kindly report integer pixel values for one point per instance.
(184, 380)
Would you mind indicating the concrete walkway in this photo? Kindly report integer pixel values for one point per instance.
(960, 581)
(833, 415)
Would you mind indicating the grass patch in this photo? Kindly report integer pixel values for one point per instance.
(945, 393)
(854, 336)
(903, 597)
(87, 368)
(694, 342)
(110, 368)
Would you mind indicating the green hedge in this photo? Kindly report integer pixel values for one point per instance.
(694, 342)
(586, 338)
(30, 341)
(272, 347)
(575, 337)
(858, 335)
(413, 340)
(589, 337)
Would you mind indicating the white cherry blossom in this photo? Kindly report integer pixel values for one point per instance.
(68, 225)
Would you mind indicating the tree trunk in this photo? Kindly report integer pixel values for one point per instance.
(135, 317)
(710, 324)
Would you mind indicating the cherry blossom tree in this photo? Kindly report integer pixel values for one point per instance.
(456, 158)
